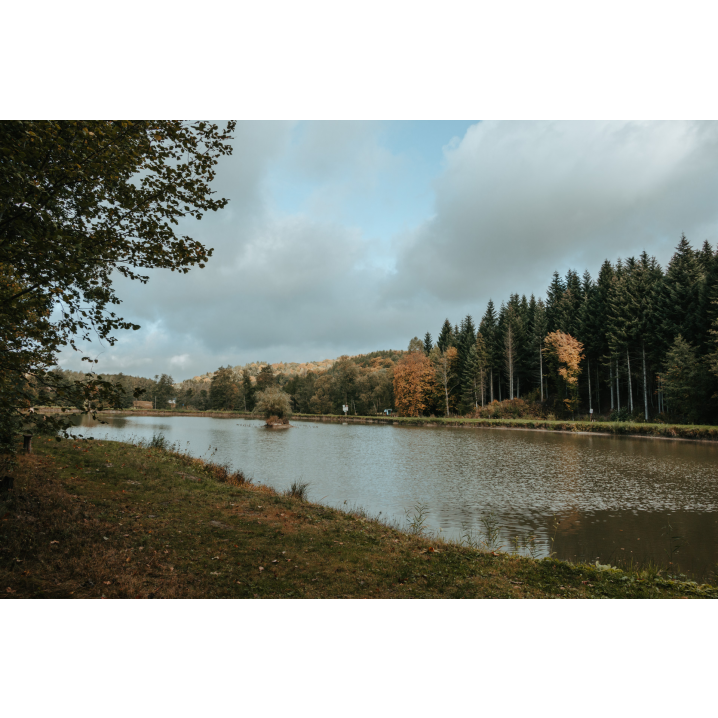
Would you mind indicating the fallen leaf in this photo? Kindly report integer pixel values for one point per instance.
(261, 568)
(52, 542)
(107, 583)
(274, 561)
(9, 590)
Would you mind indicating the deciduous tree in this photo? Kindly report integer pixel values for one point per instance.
(82, 202)
(412, 383)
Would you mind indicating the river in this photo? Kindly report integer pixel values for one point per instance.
(582, 497)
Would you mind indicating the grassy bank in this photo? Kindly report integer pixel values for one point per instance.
(619, 428)
(89, 519)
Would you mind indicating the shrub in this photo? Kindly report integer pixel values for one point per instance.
(273, 402)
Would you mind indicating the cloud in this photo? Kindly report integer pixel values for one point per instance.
(520, 199)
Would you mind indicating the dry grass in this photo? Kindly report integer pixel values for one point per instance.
(92, 519)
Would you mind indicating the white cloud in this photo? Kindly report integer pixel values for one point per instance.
(519, 199)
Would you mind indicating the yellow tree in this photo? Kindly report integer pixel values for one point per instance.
(412, 383)
(563, 354)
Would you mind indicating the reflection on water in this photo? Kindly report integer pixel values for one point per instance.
(583, 497)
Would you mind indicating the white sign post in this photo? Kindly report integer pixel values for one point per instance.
(346, 409)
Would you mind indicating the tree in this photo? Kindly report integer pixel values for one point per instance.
(224, 391)
(538, 334)
(248, 390)
(678, 306)
(428, 343)
(273, 402)
(446, 336)
(554, 294)
(412, 383)
(563, 355)
(472, 381)
(265, 378)
(163, 391)
(488, 328)
(416, 345)
(81, 202)
(681, 379)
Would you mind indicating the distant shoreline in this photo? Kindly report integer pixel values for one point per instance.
(685, 432)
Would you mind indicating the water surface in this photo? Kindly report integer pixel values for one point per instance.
(584, 497)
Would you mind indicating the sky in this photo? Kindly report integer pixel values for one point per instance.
(346, 237)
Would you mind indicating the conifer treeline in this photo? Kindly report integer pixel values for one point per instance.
(648, 335)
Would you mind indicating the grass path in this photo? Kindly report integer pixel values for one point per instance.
(92, 519)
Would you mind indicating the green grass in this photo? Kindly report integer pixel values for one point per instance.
(622, 428)
(97, 518)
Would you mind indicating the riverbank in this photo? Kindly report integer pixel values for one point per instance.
(92, 519)
(692, 432)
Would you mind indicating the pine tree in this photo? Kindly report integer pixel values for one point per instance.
(465, 340)
(708, 302)
(470, 381)
(539, 330)
(428, 344)
(678, 305)
(488, 329)
(681, 379)
(446, 336)
(482, 361)
(554, 294)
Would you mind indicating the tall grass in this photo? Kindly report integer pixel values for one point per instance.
(298, 490)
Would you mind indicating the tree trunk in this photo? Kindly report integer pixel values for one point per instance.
(630, 388)
(618, 388)
(645, 387)
(446, 385)
(590, 405)
(492, 385)
(541, 372)
(598, 391)
(610, 380)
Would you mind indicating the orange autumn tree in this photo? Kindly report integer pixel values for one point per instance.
(563, 355)
(412, 383)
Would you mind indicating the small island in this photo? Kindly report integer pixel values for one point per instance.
(276, 406)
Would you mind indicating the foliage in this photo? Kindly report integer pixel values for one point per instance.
(265, 378)
(224, 391)
(80, 203)
(412, 382)
(681, 378)
(274, 402)
(564, 354)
